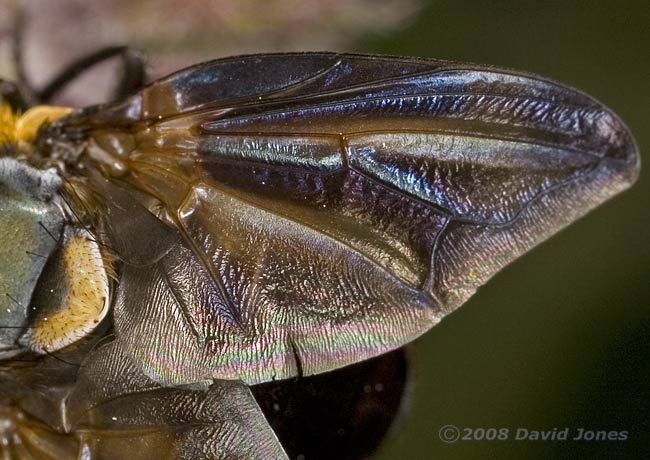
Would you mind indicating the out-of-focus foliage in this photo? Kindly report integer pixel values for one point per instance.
(560, 338)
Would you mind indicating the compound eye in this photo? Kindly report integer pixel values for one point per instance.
(72, 296)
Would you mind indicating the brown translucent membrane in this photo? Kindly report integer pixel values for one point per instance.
(308, 211)
(110, 410)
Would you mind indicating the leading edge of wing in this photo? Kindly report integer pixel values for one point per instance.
(254, 80)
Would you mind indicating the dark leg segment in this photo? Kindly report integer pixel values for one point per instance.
(22, 95)
(133, 74)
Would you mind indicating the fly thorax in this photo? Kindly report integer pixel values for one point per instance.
(54, 283)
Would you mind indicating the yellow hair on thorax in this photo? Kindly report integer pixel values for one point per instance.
(15, 127)
(8, 121)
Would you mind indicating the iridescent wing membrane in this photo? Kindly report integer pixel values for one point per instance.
(327, 208)
(290, 214)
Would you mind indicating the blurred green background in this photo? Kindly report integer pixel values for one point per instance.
(561, 338)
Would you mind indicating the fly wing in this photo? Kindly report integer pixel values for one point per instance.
(329, 208)
(244, 81)
(129, 416)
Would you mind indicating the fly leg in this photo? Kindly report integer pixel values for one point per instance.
(22, 95)
(132, 76)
